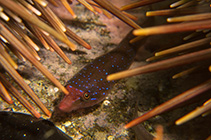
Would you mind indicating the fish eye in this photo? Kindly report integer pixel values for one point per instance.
(86, 96)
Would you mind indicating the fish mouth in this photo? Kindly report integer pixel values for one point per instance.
(64, 107)
(68, 104)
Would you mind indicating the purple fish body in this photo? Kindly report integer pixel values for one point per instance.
(89, 86)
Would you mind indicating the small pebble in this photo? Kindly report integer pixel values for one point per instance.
(51, 90)
(56, 89)
(68, 123)
(110, 137)
(106, 102)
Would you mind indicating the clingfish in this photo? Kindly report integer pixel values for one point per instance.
(89, 86)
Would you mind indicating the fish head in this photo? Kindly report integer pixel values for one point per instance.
(77, 99)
